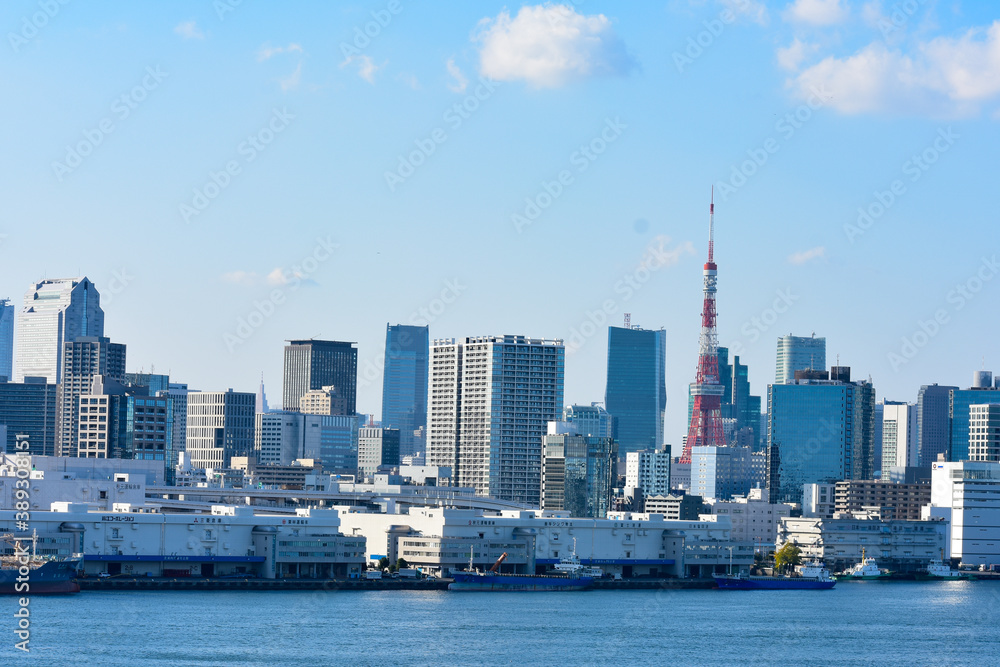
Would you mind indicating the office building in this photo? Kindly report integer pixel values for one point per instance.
(720, 472)
(819, 500)
(649, 470)
(220, 425)
(6, 339)
(377, 447)
(899, 436)
(819, 430)
(590, 420)
(636, 391)
(54, 313)
(984, 432)
(490, 400)
(577, 472)
(753, 518)
(29, 408)
(332, 439)
(323, 401)
(83, 358)
(124, 422)
(278, 437)
(932, 422)
(797, 353)
(966, 495)
(959, 402)
(152, 381)
(314, 364)
(178, 393)
(404, 385)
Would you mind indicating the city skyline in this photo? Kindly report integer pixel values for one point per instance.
(799, 257)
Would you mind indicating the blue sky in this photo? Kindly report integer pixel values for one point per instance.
(235, 174)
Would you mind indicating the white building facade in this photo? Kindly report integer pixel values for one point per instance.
(967, 495)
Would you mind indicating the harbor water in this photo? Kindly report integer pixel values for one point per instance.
(864, 623)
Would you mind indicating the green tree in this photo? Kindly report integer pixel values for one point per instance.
(402, 564)
(787, 557)
(383, 563)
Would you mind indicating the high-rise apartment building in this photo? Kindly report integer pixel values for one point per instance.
(636, 392)
(797, 353)
(899, 436)
(490, 400)
(29, 408)
(984, 432)
(83, 358)
(220, 425)
(404, 385)
(819, 430)
(932, 422)
(54, 313)
(7, 339)
(648, 470)
(314, 364)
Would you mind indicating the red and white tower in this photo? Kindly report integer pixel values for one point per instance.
(706, 416)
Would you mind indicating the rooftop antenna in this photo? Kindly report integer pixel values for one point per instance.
(711, 226)
(628, 322)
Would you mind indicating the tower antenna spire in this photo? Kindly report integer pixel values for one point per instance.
(711, 226)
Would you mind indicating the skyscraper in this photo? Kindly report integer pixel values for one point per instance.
(590, 420)
(984, 432)
(220, 425)
(314, 364)
(932, 422)
(636, 390)
(899, 436)
(83, 358)
(377, 447)
(54, 312)
(797, 353)
(819, 430)
(490, 399)
(404, 384)
(29, 408)
(705, 427)
(959, 402)
(577, 473)
(7, 339)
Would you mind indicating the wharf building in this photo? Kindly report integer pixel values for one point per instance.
(440, 540)
(636, 391)
(897, 544)
(820, 430)
(224, 541)
(490, 400)
(404, 385)
(54, 313)
(314, 364)
(577, 471)
(966, 494)
(753, 518)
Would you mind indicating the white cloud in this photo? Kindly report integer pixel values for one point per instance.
(815, 12)
(804, 256)
(366, 67)
(791, 56)
(460, 82)
(410, 80)
(292, 81)
(945, 76)
(189, 30)
(749, 9)
(550, 45)
(266, 51)
(241, 278)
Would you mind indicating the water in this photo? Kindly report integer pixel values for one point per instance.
(870, 623)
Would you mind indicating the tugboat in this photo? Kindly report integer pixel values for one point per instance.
(811, 576)
(938, 570)
(27, 573)
(571, 566)
(866, 570)
(569, 579)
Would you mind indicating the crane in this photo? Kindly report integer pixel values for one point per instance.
(496, 565)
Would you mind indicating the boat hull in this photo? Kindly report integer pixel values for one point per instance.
(51, 578)
(517, 582)
(772, 583)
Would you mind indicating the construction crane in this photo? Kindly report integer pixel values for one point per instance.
(496, 565)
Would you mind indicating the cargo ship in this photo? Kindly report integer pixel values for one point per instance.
(812, 576)
(26, 573)
(569, 578)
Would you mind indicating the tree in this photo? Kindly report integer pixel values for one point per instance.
(383, 563)
(401, 564)
(786, 557)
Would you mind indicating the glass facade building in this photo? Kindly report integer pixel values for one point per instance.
(636, 391)
(798, 353)
(404, 384)
(932, 422)
(314, 364)
(55, 312)
(959, 401)
(818, 432)
(6, 339)
(577, 474)
(590, 420)
(29, 408)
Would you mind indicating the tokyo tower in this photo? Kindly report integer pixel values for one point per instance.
(706, 416)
